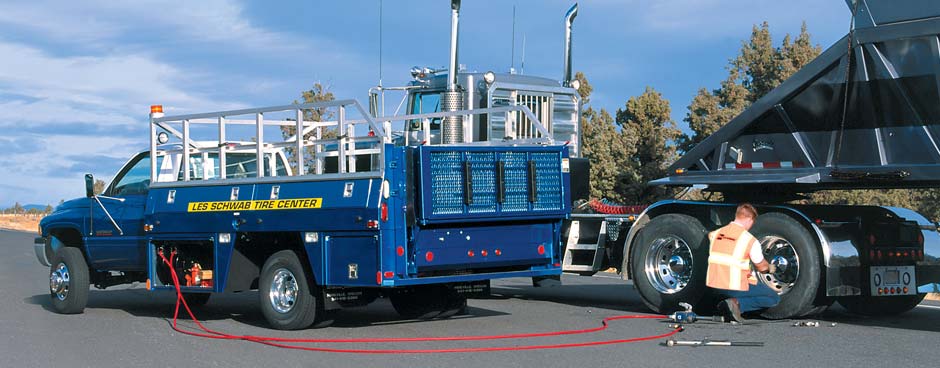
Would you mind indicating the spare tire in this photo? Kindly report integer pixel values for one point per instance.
(669, 260)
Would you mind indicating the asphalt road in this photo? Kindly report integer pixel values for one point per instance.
(128, 326)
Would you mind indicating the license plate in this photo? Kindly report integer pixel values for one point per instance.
(892, 280)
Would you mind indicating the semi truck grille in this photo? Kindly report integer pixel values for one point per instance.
(490, 183)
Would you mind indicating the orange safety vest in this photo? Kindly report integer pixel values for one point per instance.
(729, 261)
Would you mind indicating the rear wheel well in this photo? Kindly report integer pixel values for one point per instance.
(252, 250)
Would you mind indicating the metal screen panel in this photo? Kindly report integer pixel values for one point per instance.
(500, 183)
(447, 183)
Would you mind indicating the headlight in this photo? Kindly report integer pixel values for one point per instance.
(576, 84)
(489, 77)
(162, 138)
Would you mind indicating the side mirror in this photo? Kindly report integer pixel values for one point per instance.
(89, 185)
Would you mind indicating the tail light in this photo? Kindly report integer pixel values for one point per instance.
(400, 251)
(470, 253)
(429, 256)
(483, 253)
(541, 249)
(389, 274)
(384, 212)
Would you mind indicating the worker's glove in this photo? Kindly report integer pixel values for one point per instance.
(771, 268)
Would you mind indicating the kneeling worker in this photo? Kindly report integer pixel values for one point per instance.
(731, 253)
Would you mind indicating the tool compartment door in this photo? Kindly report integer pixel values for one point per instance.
(352, 260)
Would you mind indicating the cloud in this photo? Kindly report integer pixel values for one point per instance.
(24, 144)
(77, 78)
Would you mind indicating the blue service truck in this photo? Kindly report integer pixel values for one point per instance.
(320, 220)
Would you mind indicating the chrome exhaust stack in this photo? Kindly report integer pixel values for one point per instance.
(569, 19)
(452, 99)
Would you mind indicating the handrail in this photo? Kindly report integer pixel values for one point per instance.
(346, 149)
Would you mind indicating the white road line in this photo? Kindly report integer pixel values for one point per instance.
(928, 306)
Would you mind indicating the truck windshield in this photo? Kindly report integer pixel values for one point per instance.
(135, 178)
(425, 103)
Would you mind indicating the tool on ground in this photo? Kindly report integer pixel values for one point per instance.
(707, 342)
(686, 316)
(806, 324)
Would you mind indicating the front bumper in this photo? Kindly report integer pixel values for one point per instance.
(41, 247)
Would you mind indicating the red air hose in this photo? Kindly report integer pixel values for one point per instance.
(285, 342)
(615, 209)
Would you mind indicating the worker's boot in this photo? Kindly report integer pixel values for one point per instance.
(732, 309)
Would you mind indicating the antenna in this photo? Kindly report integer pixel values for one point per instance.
(523, 54)
(382, 111)
(380, 43)
(512, 53)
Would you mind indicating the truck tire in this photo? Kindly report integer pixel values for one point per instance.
(881, 306)
(669, 260)
(195, 300)
(419, 302)
(288, 300)
(799, 266)
(69, 281)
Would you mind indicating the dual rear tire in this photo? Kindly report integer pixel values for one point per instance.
(669, 259)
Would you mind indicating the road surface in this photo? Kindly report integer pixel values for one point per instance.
(128, 326)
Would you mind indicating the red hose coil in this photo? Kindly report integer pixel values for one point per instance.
(284, 342)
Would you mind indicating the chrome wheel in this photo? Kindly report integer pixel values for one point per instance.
(283, 291)
(59, 281)
(781, 254)
(668, 264)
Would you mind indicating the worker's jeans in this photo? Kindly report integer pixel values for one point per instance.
(757, 297)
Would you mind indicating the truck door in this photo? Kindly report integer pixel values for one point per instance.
(121, 247)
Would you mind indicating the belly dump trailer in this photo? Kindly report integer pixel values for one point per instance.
(865, 114)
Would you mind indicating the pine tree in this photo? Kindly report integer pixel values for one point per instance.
(607, 148)
(647, 119)
(319, 93)
(755, 71)
(99, 186)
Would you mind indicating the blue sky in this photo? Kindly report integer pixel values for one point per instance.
(77, 77)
